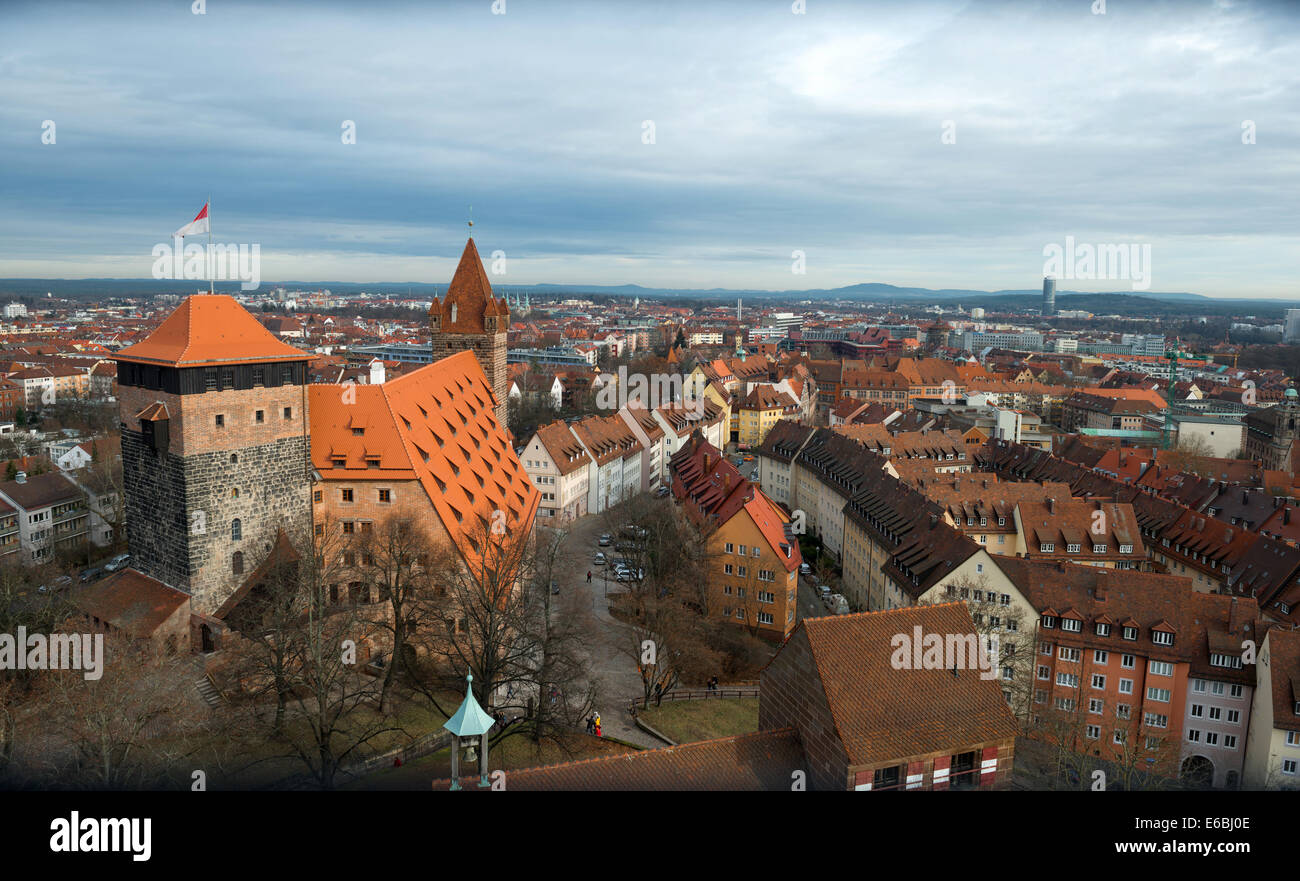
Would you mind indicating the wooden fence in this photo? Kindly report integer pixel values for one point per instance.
(698, 694)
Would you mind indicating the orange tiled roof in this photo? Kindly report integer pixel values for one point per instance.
(471, 293)
(883, 713)
(436, 425)
(210, 329)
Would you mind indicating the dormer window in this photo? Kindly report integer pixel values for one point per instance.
(1049, 622)
(1072, 548)
(1162, 637)
(1047, 547)
(1102, 629)
(1073, 625)
(1130, 633)
(1126, 549)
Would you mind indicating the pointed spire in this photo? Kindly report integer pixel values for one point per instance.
(469, 720)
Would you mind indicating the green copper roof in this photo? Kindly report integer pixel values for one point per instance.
(469, 720)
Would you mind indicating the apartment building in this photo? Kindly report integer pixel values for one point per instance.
(52, 513)
(1273, 746)
(775, 456)
(557, 465)
(650, 434)
(754, 555)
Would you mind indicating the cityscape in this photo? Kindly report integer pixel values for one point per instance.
(445, 499)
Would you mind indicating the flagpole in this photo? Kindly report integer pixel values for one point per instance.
(210, 288)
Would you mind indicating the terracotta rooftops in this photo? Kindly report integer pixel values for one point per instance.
(435, 425)
(130, 601)
(210, 329)
(761, 761)
(470, 293)
(565, 450)
(882, 712)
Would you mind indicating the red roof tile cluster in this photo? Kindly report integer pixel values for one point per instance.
(882, 712)
(436, 425)
(210, 329)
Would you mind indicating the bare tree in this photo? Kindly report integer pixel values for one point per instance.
(126, 729)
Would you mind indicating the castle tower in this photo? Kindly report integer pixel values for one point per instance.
(470, 317)
(213, 412)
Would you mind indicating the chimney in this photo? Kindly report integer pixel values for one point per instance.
(1245, 497)
(21, 477)
(1286, 515)
(1051, 506)
(376, 372)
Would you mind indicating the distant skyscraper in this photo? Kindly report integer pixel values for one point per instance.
(1291, 329)
(1049, 296)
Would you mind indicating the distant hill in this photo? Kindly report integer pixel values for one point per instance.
(1151, 303)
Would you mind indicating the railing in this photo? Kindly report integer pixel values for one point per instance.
(696, 694)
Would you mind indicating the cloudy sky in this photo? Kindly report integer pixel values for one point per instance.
(692, 144)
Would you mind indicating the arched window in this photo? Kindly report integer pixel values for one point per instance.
(236, 530)
(237, 562)
(234, 493)
(234, 458)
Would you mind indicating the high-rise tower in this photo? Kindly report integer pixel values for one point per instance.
(470, 317)
(1049, 296)
(213, 412)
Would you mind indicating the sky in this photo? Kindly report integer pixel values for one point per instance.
(669, 144)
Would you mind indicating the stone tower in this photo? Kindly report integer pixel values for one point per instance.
(470, 317)
(213, 412)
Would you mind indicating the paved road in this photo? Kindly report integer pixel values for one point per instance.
(612, 668)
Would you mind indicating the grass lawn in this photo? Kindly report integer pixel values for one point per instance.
(515, 752)
(686, 721)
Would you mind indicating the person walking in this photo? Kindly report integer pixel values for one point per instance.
(589, 576)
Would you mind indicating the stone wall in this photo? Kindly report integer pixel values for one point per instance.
(180, 511)
(791, 695)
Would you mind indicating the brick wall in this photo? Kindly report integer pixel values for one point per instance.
(790, 694)
(490, 350)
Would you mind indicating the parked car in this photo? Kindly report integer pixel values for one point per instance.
(118, 562)
(599, 559)
(58, 583)
(629, 575)
(749, 459)
(92, 574)
(753, 475)
(605, 539)
(805, 569)
(662, 491)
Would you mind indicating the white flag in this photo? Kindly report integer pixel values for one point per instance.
(197, 225)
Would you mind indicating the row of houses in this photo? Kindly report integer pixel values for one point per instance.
(1135, 667)
(591, 464)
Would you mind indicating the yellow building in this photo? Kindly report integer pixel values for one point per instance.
(753, 560)
(759, 410)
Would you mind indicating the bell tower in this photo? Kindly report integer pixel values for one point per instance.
(470, 317)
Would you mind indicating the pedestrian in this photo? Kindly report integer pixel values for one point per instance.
(631, 708)
(659, 693)
(555, 693)
(591, 724)
(598, 729)
(589, 576)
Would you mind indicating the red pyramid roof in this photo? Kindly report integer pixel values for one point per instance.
(210, 329)
(471, 293)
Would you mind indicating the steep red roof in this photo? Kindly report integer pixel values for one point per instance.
(436, 425)
(210, 329)
(471, 293)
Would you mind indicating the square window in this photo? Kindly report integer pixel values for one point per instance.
(221, 420)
